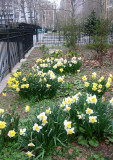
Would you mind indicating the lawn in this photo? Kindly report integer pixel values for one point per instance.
(73, 84)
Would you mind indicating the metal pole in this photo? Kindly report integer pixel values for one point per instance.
(8, 51)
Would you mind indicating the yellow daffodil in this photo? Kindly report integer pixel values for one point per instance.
(2, 124)
(4, 94)
(27, 108)
(86, 84)
(84, 78)
(11, 133)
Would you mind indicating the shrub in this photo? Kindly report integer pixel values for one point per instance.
(9, 122)
(58, 66)
(37, 84)
(97, 85)
(91, 116)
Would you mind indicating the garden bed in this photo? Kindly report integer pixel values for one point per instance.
(72, 86)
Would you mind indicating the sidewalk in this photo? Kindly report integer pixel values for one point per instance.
(3, 83)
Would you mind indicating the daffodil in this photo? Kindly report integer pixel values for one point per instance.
(60, 79)
(42, 116)
(22, 131)
(11, 133)
(17, 89)
(61, 70)
(36, 127)
(48, 85)
(1, 111)
(27, 108)
(44, 122)
(84, 78)
(100, 86)
(92, 119)
(109, 79)
(67, 124)
(108, 85)
(111, 101)
(4, 94)
(70, 131)
(29, 154)
(2, 124)
(31, 145)
(48, 111)
(24, 79)
(94, 75)
(86, 84)
(89, 111)
(78, 71)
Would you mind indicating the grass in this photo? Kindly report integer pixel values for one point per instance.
(72, 85)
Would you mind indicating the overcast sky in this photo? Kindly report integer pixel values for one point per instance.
(56, 1)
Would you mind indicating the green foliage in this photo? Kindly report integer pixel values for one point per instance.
(90, 24)
(12, 122)
(71, 35)
(12, 151)
(43, 48)
(57, 54)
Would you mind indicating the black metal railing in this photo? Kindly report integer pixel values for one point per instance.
(14, 44)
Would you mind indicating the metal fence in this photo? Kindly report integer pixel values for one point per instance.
(50, 39)
(13, 46)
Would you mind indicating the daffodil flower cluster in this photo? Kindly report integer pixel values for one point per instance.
(97, 86)
(37, 84)
(58, 65)
(88, 112)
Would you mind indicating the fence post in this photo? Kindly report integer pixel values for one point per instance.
(18, 46)
(36, 35)
(8, 51)
(23, 43)
(59, 35)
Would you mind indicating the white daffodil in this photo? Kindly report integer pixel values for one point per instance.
(42, 116)
(67, 124)
(70, 131)
(22, 131)
(29, 154)
(36, 127)
(48, 111)
(111, 101)
(92, 119)
(31, 145)
(89, 111)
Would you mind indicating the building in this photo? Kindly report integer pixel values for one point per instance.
(83, 8)
(65, 11)
(109, 9)
(39, 12)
